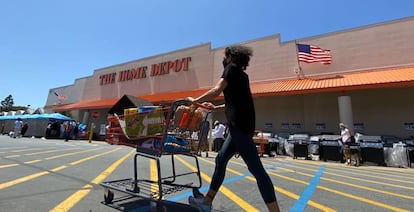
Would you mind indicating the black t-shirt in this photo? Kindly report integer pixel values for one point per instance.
(239, 108)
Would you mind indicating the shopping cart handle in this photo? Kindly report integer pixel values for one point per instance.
(195, 104)
(202, 106)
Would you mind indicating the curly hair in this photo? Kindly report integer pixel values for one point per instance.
(240, 55)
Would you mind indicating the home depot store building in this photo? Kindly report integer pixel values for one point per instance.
(369, 84)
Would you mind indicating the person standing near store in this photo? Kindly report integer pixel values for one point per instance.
(345, 141)
(24, 129)
(240, 115)
(18, 124)
(68, 130)
(218, 135)
(76, 131)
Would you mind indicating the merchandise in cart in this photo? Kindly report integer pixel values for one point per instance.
(157, 131)
(260, 142)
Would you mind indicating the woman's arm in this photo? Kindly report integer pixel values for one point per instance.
(211, 94)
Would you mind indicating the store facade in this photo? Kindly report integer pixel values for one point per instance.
(368, 84)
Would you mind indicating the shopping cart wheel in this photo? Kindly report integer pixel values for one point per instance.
(108, 196)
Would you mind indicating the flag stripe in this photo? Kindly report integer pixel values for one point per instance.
(311, 54)
(60, 97)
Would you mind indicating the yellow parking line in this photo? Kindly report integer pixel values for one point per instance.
(359, 198)
(367, 169)
(49, 151)
(362, 199)
(49, 158)
(12, 156)
(33, 161)
(8, 165)
(2, 148)
(71, 153)
(232, 196)
(68, 203)
(12, 148)
(22, 179)
(36, 175)
(368, 188)
(153, 175)
(31, 149)
(394, 169)
(360, 179)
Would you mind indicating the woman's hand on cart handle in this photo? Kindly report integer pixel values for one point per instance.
(215, 107)
(205, 105)
(209, 105)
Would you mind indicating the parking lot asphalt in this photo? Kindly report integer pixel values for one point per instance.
(53, 175)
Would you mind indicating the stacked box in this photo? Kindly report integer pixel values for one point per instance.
(153, 122)
(148, 122)
(133, 122)
(188, 117)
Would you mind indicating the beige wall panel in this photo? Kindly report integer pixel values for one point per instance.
(376, 46)
(384, 111)
(278, 110)
(198, 75)
(321, 108)
(271, 60)
(305, 110)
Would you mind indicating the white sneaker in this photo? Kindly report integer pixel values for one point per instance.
(200, 204)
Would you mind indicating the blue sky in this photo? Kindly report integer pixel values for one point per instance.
(46, 44)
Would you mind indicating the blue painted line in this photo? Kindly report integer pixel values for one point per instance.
(301, 203)
(187, 194)
(226, 181)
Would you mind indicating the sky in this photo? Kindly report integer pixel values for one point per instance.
(46, 44)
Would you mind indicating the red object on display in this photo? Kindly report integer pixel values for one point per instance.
(183, 120)
(95, 115)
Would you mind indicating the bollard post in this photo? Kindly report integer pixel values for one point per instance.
(91, 132)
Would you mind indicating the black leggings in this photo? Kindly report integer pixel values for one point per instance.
(238, 141)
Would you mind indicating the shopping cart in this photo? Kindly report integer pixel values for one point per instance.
(156, 132)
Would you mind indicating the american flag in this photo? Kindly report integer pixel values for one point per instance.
(312, 54)
(60, 97)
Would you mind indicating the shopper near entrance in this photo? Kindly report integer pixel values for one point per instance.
(24, 129)
(76, 131)
(345, 141)
(240, 115)
(18, 124)
(218, 135)
(68, 130)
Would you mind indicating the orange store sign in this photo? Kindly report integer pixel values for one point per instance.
(158, 69)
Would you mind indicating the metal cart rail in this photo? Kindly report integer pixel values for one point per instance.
(156, 132)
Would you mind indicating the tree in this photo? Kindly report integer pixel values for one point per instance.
(7, 103)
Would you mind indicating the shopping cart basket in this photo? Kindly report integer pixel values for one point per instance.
(156, 132)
